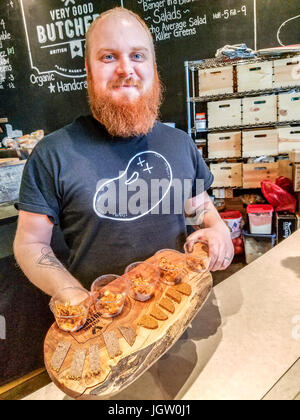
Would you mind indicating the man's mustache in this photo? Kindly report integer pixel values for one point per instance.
(128, 82)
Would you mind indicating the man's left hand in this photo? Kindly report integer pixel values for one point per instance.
(221, 250)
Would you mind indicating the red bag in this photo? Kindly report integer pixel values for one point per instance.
(285, 183)
(278, 197)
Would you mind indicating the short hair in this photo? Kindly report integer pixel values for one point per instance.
(116, 11)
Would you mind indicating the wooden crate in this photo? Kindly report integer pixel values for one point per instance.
(254, 76)
(224, 113)
(296, 176)
(288, 139)
(285, 168)
(287, 72)
(254, 173)
(260, 143)
(224, 145)
(226, 174)
(294, 156)
(289, 106)
(259, 109)
(215, 81)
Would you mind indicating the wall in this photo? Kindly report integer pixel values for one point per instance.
(42, 77)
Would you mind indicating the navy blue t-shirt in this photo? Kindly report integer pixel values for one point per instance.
(116, 200)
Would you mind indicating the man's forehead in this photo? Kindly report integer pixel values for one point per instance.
(116, 26)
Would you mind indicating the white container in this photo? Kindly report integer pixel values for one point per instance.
(260, 218)
(200, 121)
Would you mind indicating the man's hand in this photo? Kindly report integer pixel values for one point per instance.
(221, 251)
(214, 232)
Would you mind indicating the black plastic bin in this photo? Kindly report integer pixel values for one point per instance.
(257, 244)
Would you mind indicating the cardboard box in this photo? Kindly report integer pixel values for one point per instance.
(286, 224)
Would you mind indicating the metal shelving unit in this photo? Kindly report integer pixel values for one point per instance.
(237, 95)
(191, 67)
(248, 126)
(193, 101)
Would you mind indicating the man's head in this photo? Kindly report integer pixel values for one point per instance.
(123, 83)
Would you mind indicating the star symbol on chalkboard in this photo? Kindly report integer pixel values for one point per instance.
(52, 88)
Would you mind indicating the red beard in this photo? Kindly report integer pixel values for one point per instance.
(123, 118)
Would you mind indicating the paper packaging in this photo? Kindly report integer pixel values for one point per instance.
(286, 224)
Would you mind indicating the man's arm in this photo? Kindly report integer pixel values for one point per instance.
(214, 232)
(35, 256)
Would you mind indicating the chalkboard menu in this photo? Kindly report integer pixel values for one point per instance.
(42, 76)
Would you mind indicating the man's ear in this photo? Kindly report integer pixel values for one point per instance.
(86, 67)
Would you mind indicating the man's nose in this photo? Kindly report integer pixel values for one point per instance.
(125, 67)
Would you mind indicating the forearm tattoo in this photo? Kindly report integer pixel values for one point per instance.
(49, 260)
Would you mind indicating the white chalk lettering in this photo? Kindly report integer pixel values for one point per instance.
(41, 79)
(70, 87)
(67, 29)
(166, 15)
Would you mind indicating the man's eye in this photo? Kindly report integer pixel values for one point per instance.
(138, 56)
(108, 57)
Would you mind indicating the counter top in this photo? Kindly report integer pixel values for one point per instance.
(243, 342)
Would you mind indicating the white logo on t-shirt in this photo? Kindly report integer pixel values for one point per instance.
(136, 191)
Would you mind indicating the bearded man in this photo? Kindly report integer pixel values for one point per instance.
(97, 178)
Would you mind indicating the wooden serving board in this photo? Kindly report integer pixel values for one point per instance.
(119, 372)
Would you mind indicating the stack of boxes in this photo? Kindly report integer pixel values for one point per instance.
(248, 127)
(252, 111)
